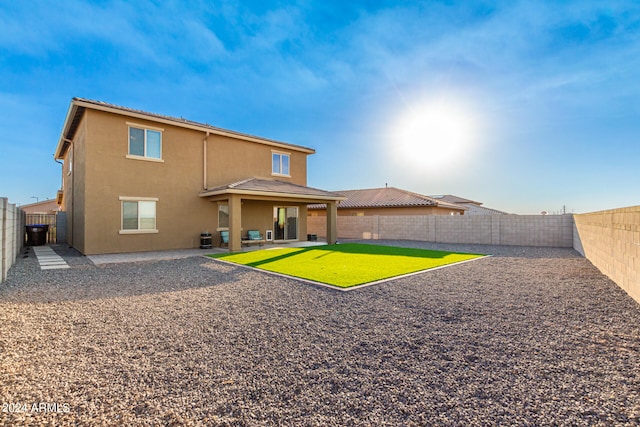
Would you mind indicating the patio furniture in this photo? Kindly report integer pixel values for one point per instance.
(253, 236)
(224, 238)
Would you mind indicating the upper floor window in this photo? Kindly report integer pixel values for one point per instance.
(145, 143)
(280, 164)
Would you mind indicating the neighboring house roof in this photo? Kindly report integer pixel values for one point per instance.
(79, 105)
(387, 197)
(272, 187)
(481, 210)
(454, 199)
(473, 207)
(49, 205)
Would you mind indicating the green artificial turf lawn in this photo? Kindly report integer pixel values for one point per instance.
(345, 265)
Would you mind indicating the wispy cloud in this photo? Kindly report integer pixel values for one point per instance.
(334, 74)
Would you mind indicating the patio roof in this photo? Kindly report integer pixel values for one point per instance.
(273, 188)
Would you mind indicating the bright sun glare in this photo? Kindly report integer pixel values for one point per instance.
(434, 136)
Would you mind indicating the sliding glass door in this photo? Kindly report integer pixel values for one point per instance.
(285, 223)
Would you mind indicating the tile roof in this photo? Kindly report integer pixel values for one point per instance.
(474, 208)
(481, 210)
(275, 187)
(387, 197)
(79, 105)
(454, 199)
(40, 203)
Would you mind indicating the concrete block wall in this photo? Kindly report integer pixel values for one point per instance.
(12, 220)
(611, 241)
(536, 230)
(460, 229)
(349, 227)
(519, 230)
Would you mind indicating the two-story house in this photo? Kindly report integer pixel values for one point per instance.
(137, 181)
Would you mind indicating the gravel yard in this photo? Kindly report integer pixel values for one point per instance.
(530, 336)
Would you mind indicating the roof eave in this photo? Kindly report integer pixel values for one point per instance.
(316, 197)
(63, 143)
(189, 125)
(451, 206)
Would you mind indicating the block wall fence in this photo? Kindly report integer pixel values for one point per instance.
(610, 239)
(515, 230)
(12, 220)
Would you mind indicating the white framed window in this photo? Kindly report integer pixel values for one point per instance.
(138, 215)
(280, 163)
(145, 143)
(223, 216)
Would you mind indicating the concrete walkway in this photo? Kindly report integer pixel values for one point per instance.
(48, 259)
(183, 253)
(150, 256)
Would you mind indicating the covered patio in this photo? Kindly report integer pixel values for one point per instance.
(270, 205)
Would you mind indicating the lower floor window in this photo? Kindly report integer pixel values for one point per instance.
(138, 215)
(223, 216)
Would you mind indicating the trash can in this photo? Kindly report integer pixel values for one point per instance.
(206, 240)
(312, 237)
(37, 234)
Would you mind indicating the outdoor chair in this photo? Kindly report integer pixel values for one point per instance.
(224, 238)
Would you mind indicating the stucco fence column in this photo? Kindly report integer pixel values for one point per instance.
(235, 223)
(332, 222)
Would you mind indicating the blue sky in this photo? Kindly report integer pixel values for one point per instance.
(523, 105)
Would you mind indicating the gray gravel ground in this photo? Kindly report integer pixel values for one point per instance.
(530, 336)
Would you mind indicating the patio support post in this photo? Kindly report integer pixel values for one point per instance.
(235, 223)
(332, 222)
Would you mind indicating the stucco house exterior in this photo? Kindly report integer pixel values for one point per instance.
(138, 181)
(388, 201)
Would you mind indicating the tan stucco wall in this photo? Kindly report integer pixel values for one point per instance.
(257, 215)
(230, 160)
(181, 214)
(611, 241)
(76, 184)
(102, 174)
